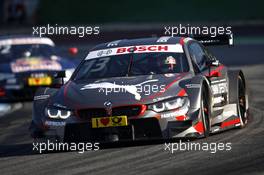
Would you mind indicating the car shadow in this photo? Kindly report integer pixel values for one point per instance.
(14, 150)
(141, 143)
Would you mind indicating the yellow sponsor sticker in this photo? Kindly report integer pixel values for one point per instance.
(109, 121)
(39, 81)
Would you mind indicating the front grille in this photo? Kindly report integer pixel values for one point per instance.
(129, 111)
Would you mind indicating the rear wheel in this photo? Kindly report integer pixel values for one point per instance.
(205, 112)
(238, 95)
(242, 103)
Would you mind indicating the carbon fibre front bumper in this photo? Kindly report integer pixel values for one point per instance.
(138, 129)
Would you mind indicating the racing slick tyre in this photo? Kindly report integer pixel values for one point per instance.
(205, 111)
(238, 95)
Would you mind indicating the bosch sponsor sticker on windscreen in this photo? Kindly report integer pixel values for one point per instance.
(177, 48)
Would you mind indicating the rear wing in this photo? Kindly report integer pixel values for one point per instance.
(217, 40)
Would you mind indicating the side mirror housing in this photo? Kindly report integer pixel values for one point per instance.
(213, 62)
(58, 79)
(59, 74)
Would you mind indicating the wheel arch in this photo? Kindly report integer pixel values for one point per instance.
(233, 84)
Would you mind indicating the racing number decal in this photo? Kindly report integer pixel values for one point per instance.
(100, 64)
(5, 49)
(219, 86)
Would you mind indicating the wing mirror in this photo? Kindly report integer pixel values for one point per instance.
(213, 62)
(58, 79)
(60, 74)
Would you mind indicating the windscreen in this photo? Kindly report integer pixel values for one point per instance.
(133, 64)
(12, 52)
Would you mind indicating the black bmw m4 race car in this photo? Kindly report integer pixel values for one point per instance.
(150, 88)
(26, 63)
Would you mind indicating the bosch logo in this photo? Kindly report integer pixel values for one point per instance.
(151, 48)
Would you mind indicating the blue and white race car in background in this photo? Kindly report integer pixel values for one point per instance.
(26, 63)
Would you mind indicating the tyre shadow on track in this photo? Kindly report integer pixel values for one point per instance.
(26, 149)
(12, 150)
(142, 143)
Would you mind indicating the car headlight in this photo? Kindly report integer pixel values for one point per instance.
(176, 103)
(68, 74)
(58, 113)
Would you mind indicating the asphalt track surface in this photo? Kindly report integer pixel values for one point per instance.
(245, 157)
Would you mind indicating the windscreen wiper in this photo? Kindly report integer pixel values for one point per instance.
(131, 50)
